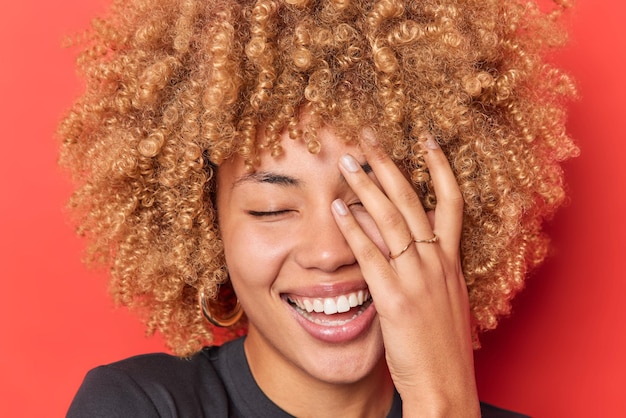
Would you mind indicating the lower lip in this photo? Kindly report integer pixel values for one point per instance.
(345, 332)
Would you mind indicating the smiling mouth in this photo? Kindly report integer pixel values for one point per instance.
(331, 311)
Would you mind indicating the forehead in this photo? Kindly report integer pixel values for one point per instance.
(296, 158)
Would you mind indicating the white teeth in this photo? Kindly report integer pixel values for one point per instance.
(308, 305)
(318, 305)
(342, 304)
(352, 300)
(330, 306)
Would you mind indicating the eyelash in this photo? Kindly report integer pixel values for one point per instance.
(267, 214)
(261, 214)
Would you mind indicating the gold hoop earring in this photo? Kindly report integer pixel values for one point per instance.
(217, 313)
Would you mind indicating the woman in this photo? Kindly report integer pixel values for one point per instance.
(366, 180)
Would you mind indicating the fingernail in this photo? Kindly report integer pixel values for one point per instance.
(340, 207)
(349, 163)
(368, 135)
(430, 142)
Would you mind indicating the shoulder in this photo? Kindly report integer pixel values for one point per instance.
(152, 385)
(490, 411)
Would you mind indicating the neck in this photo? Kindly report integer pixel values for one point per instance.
(305, 396)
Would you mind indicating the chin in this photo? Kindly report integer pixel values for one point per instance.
(348, 363)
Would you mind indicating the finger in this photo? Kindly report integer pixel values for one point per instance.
(400, 191)
(389, 220)
(449, 212)
(377, 271)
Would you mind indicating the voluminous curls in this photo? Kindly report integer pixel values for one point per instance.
(175, 87)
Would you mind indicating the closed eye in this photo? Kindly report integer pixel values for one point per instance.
(261, 214)
(357, 208)
(355, 204)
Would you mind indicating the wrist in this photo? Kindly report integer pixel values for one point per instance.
(441, 406)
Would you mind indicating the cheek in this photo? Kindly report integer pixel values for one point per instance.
(254, 256)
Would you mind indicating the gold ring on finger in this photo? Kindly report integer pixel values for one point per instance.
(432, 240)
(402, 251)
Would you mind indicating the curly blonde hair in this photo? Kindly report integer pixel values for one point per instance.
(175, 87)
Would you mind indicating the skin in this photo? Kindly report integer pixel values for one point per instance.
(321, 225)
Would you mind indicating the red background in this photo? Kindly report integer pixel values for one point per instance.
(560, 354)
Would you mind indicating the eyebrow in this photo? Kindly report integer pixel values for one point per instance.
(269, 177)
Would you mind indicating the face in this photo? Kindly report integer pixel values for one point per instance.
(309, 311)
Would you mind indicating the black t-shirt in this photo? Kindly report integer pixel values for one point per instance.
(215, 383)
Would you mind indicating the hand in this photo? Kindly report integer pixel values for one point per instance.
(419, 291)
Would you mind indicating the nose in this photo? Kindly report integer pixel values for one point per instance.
(321, 245)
